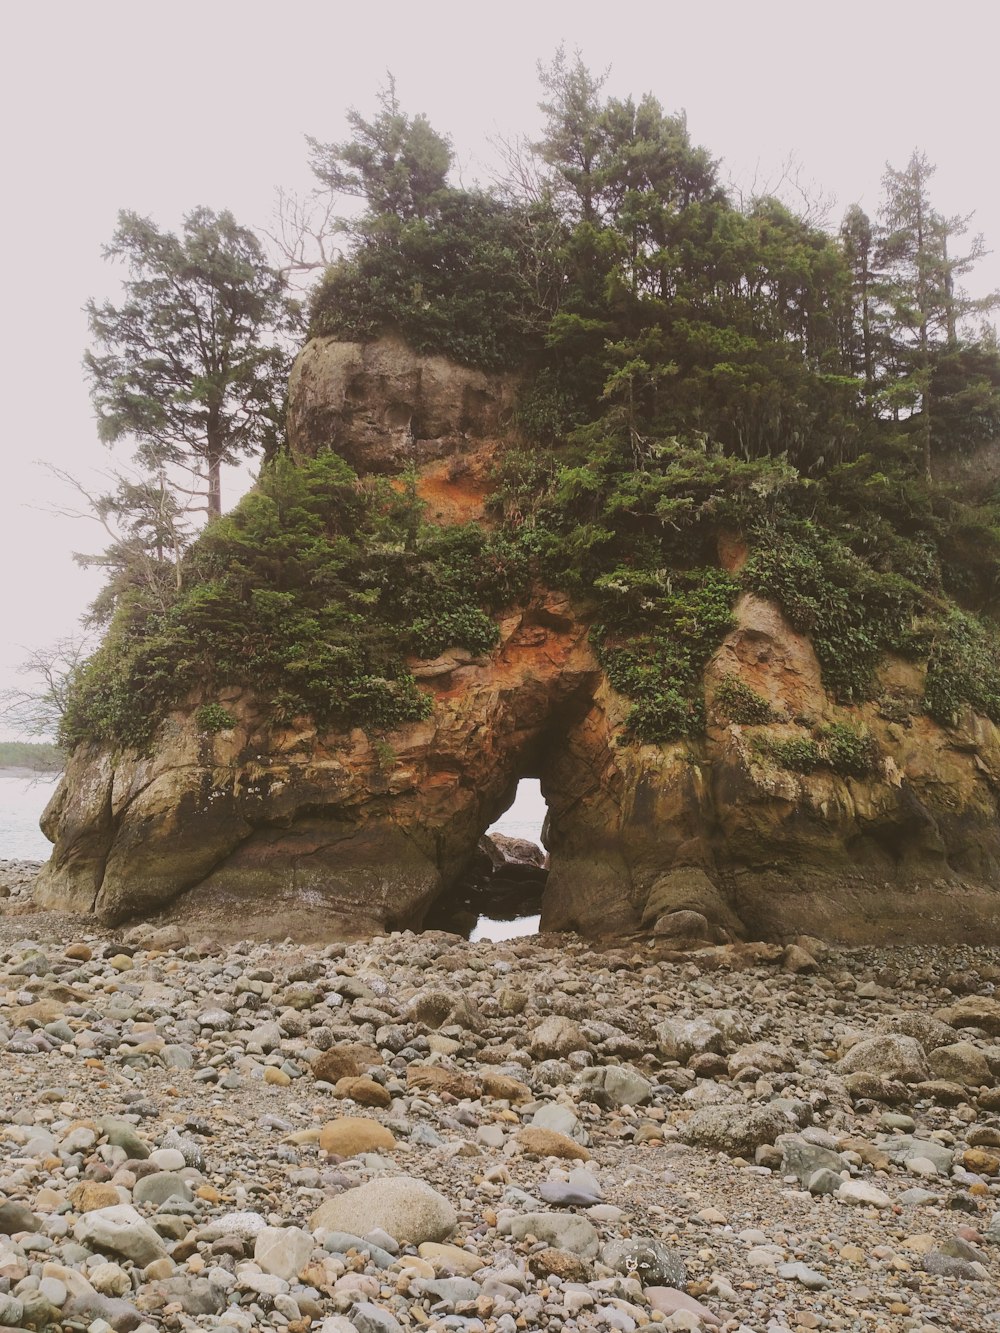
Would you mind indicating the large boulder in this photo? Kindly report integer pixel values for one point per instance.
(383, 406)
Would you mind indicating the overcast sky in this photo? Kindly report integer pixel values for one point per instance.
(159, 108)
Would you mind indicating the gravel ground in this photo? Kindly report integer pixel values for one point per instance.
(419, 1132)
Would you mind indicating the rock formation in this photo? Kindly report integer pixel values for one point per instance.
(270, 829)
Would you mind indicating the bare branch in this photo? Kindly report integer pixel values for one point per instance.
(304, 232)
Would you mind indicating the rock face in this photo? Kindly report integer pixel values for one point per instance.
(267, 830)
(383, 407)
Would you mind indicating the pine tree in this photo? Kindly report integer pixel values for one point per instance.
(923, 306)
(191, 366)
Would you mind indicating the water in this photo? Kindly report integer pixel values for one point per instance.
(23, 797)
(524, 819)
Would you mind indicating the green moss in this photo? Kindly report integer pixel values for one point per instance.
(735, 700)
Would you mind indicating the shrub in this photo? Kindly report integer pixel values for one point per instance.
(212, 718)
(739, 703)
(850, 751)
(963, 668)
(310, 593)
(852, 613)
(801, 754)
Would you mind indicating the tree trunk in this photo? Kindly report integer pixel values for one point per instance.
(214, 489)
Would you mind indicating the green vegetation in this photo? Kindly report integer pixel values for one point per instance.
(735, 700)
(800, 754)
(310, 594)
(695, 369)
(850, 751)
(36, 755)
(211, 718)
(963, 668)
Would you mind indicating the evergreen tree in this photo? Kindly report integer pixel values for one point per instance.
(396, 163)
(191, 366)
(923, 307)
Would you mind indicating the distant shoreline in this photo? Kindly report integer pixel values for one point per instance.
(20, 771)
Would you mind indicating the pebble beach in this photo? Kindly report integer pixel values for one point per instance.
(419, 1132)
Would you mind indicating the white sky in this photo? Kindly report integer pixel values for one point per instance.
(161, 107)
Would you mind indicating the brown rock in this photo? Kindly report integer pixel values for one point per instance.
(80, 953)
(942, 1091)
(973, 1011)
(539, 1142)
(350, 1135)
(961, 1062)
(346, 1061)
(437, 1079)
(875, 1088)
(561, 1264)
(89, 1195)
(983, 1136)
(982, 1162)
(504, 1088)
(388, 406)
(869, 1154)
(796, 960)
(365, 1091)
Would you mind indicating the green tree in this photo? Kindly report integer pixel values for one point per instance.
(923, 306)
(398, 164)
(857, 236)
(192, 365)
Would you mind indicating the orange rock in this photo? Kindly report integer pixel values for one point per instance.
(539, 1142)
(435, 1078)
(365, 1091)
(89, 1195)
(350, 1135)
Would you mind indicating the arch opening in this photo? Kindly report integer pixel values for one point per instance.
(500, 896)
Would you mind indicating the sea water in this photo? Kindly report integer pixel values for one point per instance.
(23, 797)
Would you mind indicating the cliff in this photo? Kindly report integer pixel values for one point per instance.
(272, 827)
